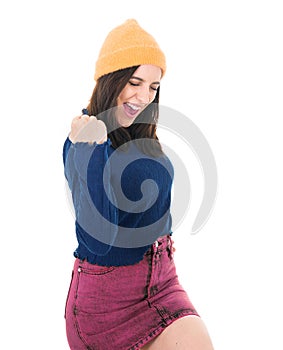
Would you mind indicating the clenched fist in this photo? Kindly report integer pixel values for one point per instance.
(88, 129)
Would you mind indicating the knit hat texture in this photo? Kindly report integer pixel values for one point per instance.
(128, 45)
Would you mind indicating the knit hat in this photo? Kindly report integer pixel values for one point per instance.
(128, 45)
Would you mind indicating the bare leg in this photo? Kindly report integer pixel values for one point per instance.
(187, 333)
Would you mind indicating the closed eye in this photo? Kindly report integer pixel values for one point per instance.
(138, 84)
(134, 84)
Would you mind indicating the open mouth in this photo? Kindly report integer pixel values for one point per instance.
(131, 109)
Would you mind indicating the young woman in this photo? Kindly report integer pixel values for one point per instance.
(124, 292)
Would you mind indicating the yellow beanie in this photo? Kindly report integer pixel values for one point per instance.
(128, 45)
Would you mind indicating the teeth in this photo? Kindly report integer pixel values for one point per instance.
(135, 108)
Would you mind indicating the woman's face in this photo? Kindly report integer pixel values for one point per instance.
(139, 92)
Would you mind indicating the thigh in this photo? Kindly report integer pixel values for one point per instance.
(187, 333)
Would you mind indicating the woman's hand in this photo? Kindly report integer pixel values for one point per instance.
(88, 129)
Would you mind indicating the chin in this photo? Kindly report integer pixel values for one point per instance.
(126, 125)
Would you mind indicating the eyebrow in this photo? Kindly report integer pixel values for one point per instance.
(140, 79)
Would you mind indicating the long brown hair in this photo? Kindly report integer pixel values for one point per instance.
(104, 98)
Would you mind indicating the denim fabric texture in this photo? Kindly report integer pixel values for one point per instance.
(124, 307)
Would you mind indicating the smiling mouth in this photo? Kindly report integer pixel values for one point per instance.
(132, 109)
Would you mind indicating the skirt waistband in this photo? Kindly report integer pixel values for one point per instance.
(161, 244)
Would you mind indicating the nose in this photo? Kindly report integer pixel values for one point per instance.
(143, 94)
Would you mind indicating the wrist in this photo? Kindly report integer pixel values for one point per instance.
(71, 138)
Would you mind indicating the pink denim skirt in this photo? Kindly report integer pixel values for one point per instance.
(125, 307)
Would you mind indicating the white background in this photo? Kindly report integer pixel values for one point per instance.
(225, 73)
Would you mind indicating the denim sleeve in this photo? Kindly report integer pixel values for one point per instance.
(93, 197)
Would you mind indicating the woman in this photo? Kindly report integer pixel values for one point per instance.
(124, 291)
